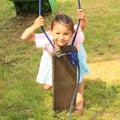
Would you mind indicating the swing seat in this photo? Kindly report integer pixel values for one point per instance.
(64, 78)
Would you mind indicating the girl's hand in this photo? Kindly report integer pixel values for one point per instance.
(81, 14)
(38, 22)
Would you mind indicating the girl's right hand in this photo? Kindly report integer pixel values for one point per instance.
(38, 22)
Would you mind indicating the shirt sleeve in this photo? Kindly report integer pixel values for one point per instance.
(79, 37)
(40, 40)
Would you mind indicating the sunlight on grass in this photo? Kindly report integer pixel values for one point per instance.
(107, 71)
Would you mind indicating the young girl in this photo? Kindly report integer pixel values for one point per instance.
(61, 33)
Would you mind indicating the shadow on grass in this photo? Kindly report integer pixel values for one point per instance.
(100, 96)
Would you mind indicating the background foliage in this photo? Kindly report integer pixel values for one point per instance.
(31, 6)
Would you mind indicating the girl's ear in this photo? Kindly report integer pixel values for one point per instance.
(49, 29)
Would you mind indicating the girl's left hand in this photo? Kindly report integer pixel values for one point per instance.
(81, 14)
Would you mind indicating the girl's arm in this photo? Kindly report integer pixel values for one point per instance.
(81, 16)
(29, 33)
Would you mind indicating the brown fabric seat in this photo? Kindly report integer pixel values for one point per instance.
(64, 78)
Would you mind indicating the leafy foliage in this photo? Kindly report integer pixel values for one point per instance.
(31, 6)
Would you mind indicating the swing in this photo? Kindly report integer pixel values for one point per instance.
(65, 64)
(64, 78)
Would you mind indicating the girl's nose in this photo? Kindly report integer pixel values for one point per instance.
(61, 36)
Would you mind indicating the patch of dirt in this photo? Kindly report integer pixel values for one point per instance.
(15, 26)
(106, 71)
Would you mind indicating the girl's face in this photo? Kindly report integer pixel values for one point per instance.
(61, 34)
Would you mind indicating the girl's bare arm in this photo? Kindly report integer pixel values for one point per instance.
(29, 33)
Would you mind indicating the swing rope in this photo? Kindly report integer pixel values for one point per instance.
(74, 60)
(79, 7)
(42, 28)
(74, 57)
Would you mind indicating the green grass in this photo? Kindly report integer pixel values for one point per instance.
(21, 97)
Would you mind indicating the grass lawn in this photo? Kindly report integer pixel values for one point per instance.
(21, 97)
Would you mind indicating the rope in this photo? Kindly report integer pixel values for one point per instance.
(79, 7)
(40, 2)
(74, 60)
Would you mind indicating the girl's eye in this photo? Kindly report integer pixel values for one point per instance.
(57, 33)
(66, 34)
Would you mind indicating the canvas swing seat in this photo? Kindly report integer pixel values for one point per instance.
(64, 78)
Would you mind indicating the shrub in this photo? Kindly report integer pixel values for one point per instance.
(31, 6)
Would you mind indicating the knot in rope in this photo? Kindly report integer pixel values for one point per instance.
(74, 58)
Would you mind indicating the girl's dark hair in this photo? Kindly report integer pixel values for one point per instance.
(63, 19)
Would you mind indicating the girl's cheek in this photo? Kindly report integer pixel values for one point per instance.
(55, 37)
